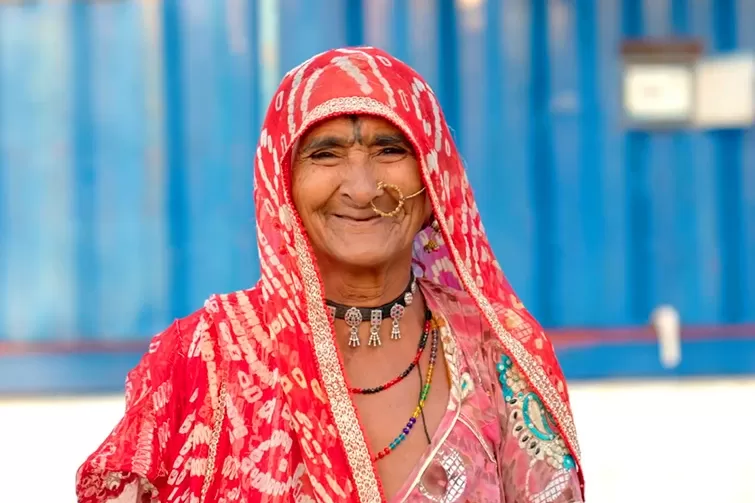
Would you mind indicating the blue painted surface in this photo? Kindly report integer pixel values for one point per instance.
(60, 374)
(128, 129)
(701, 358)
(105, 372)
(39, 291)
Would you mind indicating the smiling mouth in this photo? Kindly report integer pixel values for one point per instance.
(371, 218)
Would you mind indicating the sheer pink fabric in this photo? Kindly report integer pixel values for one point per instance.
(246, 400)
(484, 450)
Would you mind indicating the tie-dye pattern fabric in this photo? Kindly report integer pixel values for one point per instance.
(246, 400)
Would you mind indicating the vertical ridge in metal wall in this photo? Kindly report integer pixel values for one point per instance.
(568, 202)
(728, 148)
(176, 184)
(84, 175)
(4, 166)
(354, 22)
(399, 29)
(256, 111)
(636, 144)
(663, 273)
(448, 76)
(688, 299)
(591, 293)
(494, 127)
(746, 41)
(541, 169)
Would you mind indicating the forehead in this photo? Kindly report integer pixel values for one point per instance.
(348, 125)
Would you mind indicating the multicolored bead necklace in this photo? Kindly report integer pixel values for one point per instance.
(402, 375)
(420, 406)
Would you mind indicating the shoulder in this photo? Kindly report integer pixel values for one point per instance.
(164, 359)
(511, 313)
(237, 328)
(174, 341)
(223, 318)
(242, 305)
(472, 331)
(467, 324)
(450, 298)
(209, 334)
(458, 307)
(447, 298)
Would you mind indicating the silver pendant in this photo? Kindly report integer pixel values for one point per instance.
(397, 311)
(376, 318)
(353, 319)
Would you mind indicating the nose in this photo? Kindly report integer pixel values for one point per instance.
(360, 183)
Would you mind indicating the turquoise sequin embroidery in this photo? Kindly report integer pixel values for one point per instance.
(533, 424)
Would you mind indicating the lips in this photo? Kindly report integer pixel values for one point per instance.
(359, 219)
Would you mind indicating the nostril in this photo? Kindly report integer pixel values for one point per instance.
(359, 192)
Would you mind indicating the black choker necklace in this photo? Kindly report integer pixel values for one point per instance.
(354, 316)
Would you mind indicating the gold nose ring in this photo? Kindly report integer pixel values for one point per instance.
(399, 196)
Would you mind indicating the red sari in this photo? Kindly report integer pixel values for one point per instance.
(246, 399)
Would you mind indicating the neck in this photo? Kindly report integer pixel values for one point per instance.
(365, 287)
(371, 288)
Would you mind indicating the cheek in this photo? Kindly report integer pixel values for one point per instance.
(299, 183)
(309, 189)
(296, 190)
(408, 175)
(428, 209)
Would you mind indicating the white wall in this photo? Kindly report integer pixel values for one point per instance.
(676, 442)
(685, 442)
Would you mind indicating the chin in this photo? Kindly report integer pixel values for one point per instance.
(368, 251)
(363, 260)
(367, 257)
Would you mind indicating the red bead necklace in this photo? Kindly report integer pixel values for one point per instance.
(402, 375)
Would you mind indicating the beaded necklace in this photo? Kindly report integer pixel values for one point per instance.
(402, 375)
(420, 406)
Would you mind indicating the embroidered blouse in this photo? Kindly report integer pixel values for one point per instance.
(496, 443)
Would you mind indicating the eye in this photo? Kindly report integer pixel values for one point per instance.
(323, 155)
(392, 151)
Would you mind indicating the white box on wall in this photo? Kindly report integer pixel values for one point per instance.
(658, 83)
(658, 93)
(725, 92)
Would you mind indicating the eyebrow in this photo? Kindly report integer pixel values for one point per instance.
(379, 140)
(390, 140)
(321, 142)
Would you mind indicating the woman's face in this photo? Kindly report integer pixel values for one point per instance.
(336, 170)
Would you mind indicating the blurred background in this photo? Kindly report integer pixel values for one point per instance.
(610, 144)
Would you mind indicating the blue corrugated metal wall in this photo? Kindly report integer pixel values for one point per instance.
(127, 131)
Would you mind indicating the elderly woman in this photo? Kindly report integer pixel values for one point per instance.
(381, 357)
